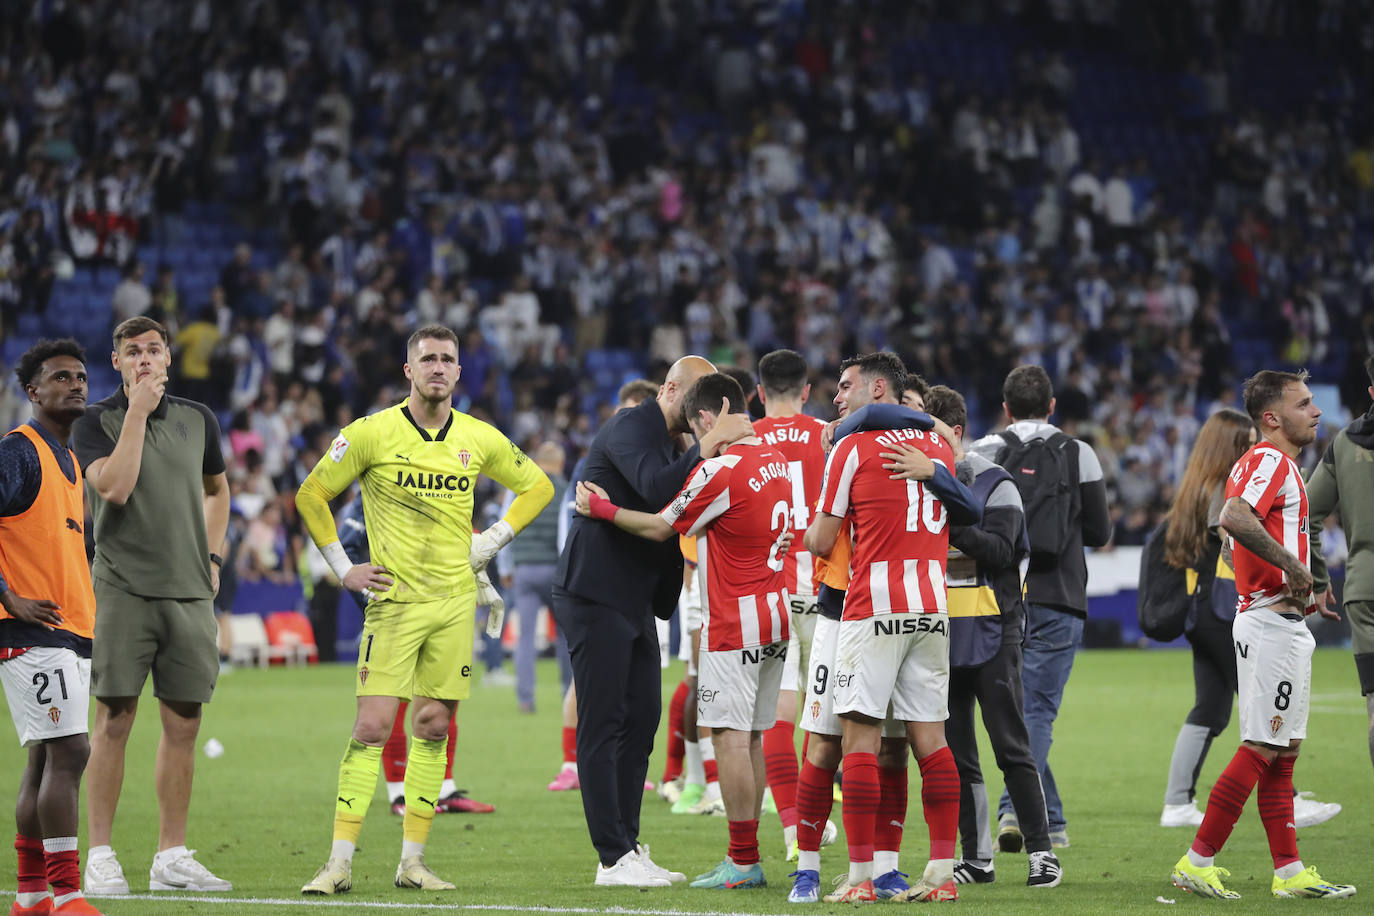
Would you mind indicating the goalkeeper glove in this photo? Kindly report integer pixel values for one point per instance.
(489, 543)
(488, 595)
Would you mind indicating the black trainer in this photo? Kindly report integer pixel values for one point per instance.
(1044, 870)
(966, 872)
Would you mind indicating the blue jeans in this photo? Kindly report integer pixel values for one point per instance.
(1052, 637)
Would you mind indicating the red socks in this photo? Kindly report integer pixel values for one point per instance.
(63, 867)
(861, 797)
(887, 830)
(677, 748)
(1227, 799)
(780, 765)
(33, 875)
(815, 798)
(1276, 810)
(452, 743)
(570, 744)
(712, 770)
(940, 801)
(394, 751)
(744, 842)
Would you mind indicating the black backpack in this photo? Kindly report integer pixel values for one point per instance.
(1163, 598)
(1046, 474)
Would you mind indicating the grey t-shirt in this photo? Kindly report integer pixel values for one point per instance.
(155, 544)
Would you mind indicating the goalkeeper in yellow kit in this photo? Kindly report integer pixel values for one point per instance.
(417, 464)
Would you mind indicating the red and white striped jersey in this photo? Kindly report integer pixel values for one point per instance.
(739, 505)
(798, 437)
(901, 535)
(1270, 483)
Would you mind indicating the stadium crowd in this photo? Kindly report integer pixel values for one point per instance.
(558, 180)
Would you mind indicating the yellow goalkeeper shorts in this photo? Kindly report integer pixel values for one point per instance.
(417, 648)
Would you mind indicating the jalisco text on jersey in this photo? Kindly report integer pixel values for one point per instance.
(433, 482)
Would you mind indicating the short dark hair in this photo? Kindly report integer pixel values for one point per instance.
(915, 383)
(31, 363)
(430, 332)
(1265, 387)
(783, 373)
(133, 327)
(707, 392)
(885, 364)
(743, 377)
(1369, 368)
(1027, 392)
(636, 391)
(946, 404)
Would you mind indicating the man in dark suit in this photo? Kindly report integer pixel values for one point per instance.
(608, 587)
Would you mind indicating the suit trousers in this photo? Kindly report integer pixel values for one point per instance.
(616, 671)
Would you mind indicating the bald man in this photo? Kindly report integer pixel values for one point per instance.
(528, 567)
(608, 587)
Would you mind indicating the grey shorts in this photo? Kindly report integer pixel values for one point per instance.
(174, 639)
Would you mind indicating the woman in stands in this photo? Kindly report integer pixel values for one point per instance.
(1193, 541)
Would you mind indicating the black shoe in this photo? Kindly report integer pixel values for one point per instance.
(1009, 837)
(1044, 870)
(966, 872)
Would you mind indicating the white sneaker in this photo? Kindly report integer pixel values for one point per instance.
(670, 790)
(104, 878)
(830, 833)
(334, 877)
(1181, 815)
(653, 868)
(710, 806)
(182, 872)
(1308, 812)
(628, 871)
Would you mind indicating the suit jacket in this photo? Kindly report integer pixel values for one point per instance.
(637, 464)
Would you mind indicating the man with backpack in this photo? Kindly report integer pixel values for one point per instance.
(1065, 500)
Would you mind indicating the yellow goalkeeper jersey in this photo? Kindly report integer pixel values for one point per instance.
(417, 487)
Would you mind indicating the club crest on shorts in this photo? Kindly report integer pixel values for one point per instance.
(362, 675)
(1275, 724)
(55, 714)
(464, 456)
(815, 709)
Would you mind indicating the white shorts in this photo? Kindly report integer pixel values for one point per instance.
(739, 688)
(818, 699)
(799, 641)
(689, 621)
(894, 664)
(1273, 676)
(49, 693)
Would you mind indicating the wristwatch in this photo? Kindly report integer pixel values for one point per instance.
(217, 559)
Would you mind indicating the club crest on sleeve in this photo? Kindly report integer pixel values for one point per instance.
(337, 448)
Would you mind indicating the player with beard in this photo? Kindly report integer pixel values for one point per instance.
(1265, 518)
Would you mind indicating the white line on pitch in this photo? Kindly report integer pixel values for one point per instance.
(386, 905)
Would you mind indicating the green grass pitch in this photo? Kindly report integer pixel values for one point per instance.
(261, 813)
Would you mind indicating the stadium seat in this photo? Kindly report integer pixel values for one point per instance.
(292, 638)
(250, 643)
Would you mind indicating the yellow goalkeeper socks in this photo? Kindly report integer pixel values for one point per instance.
(424, 775)
(357, 784)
